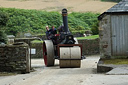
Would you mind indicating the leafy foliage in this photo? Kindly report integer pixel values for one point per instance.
(95, 29)
(30, 20)
(3, 37)
(83, 20)
(3, 20)
(21, 20)
(86, 21)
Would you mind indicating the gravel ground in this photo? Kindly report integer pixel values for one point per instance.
(86, 75)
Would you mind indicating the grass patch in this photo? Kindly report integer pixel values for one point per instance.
(41, 34)
(7, 74)
(116, 61)
(89, 37)
(36, 41)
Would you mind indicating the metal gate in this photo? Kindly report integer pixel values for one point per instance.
(119, 32)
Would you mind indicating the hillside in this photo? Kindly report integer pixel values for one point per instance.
(57, 5)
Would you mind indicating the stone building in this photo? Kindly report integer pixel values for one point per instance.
(113, 31)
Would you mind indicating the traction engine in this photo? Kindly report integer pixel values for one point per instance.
(63, 47)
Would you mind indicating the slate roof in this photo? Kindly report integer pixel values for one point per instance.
(120, 8)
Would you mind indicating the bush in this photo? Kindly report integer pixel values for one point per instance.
(21, 20)
(85, 20)
(95, 29)
(3, 21)
(3, 37)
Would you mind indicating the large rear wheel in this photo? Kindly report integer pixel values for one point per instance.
(48, 53)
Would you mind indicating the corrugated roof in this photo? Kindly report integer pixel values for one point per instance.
(120, 8)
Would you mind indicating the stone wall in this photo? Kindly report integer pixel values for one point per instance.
(26, 40)
(37, 46)
(105, 37)
(90, 46)
(38, 50)
(15, 58)
(43, 37)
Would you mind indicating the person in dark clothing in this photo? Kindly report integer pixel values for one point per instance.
(47, 32)
(50, 33)
(53, 30)
(60, 29)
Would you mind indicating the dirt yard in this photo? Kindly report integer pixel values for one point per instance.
(86, 75)
(57, 5)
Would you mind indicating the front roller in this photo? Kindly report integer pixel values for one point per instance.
(48, 53)
(70, 57)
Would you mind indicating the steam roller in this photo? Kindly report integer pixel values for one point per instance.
(63, 46)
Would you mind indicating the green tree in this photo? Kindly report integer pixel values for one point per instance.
(3, 21)
(3, 37)
(94, 28)
(21, 20)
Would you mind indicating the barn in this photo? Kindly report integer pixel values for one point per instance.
(113, 31)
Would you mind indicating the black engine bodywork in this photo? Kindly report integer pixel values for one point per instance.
(65, 35)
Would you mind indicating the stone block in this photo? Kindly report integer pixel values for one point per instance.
(1, 50)
(102, 68)
(12, 63)
(13, 59)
